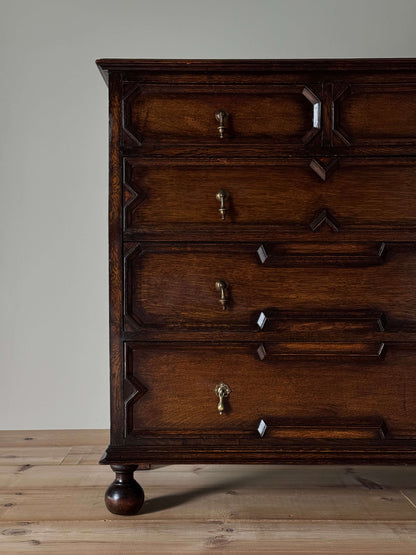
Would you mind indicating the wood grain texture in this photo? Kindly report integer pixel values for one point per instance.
(286, 193)
(364, 66)
(314, 164)
(357, 116)
(302, 386)
(55, 508)
(285, 537)
(115, 254)
(53, 438)
(316, 277)
(44, 475)
(211, 503)
(351, 101)
(186, 114)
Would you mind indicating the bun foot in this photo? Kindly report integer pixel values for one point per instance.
(124, 496)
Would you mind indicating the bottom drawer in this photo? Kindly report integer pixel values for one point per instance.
(319, 390)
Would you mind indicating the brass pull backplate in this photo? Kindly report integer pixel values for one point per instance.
(222, 391)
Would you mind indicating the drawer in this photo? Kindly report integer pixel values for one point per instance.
(375, 115)
(338, 116)
(190, 114)
(359, 193)
(175, 285)
(309, 387)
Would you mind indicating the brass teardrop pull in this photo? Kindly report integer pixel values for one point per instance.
(222, 196)
(222, 287)
(222, 117)
(222, 391)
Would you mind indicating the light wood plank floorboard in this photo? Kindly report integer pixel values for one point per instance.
(314, 537)
(51, 501)
(54, 438)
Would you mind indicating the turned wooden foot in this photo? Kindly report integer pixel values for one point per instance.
(124, 496)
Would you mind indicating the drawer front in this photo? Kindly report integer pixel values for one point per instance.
(187, 114)
(359, 193)
(175, 286)
(181, 396)
(355, 117)
(375, 115)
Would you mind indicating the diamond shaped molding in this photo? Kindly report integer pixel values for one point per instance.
(262, 254)
(261, 351)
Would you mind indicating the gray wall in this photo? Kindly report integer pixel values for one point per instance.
(53, 163)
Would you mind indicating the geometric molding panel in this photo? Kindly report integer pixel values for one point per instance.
(133, 390)
(320, 254)
(324, 217)
(324, 321)
(128, 195)
(370, 428)
(365, 351)
(133, 196)
(340, 92)
(324, 167)
(130, 137)
(133, 315)
(316, 114)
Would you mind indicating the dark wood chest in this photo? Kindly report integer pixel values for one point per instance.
(262, 239)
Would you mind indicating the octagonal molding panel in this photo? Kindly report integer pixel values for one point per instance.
(357, 351)
(184, 114)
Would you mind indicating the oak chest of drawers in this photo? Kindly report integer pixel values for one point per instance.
(262, 228)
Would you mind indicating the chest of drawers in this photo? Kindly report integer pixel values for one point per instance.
(262, 241)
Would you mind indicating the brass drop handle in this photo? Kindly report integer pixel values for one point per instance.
(222, 287)
(222, 391)
(222, 196)
(221, 116)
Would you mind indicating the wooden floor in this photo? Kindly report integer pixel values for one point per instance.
(51, 501)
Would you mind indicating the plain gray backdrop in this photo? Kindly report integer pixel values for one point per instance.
(53, 163)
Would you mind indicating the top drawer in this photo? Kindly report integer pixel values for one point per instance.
(222, 115)
(268, 119)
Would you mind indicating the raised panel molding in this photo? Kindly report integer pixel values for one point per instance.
(340, 92)
(371, 428)
(314, 99)
(322, 254)
(132, 320)
(133, 390)
(133, 196)
(337, 351)
(324, 216)
(130, 138)
(323, 320)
